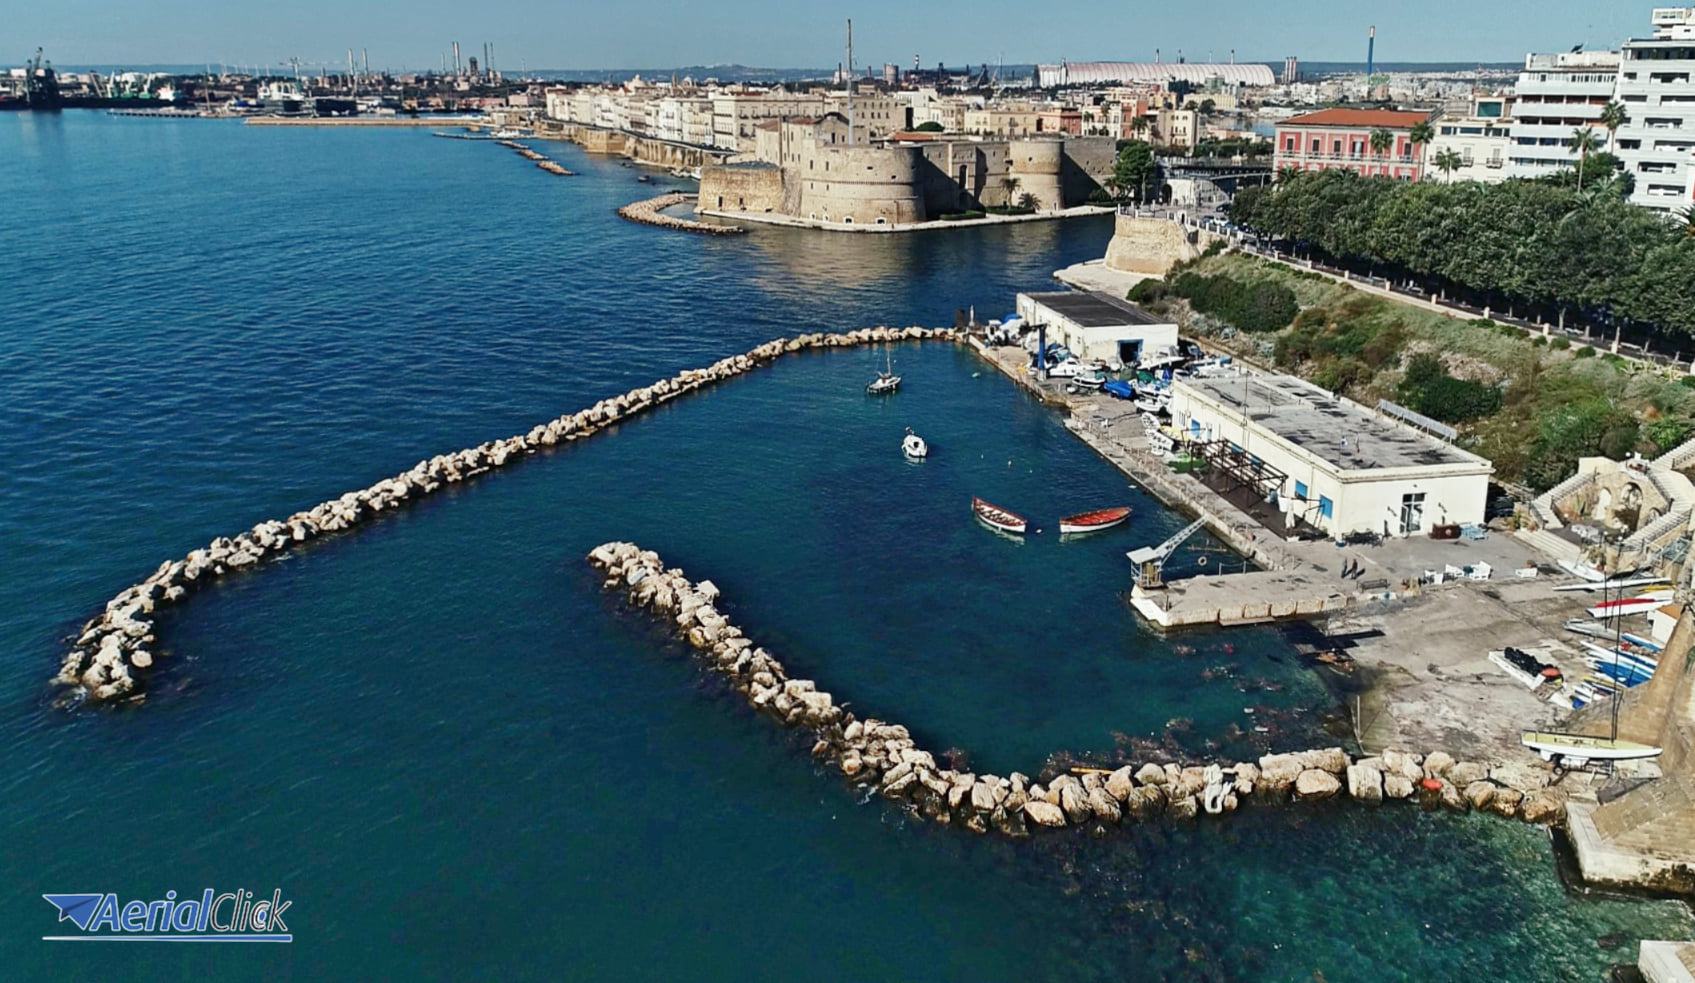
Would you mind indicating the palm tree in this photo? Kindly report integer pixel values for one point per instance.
(1030, 201)
(1381, 141)
(1612, 117)
(1009, 184)
(1420, 136)
(1582, 142)
(1685, 225)
(1448, 161)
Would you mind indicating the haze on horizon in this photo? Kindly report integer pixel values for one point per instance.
(664, 33)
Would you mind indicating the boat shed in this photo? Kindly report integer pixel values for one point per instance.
(1328, 462)
(1098, 326)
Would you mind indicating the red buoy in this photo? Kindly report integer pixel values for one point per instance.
(1432, 784)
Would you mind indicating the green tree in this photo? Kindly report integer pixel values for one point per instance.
(1448, 161)
(1612, 117)
(1381, 141)
(928, 126)
(1029, 201)
(1009, 185)
(1420, 137)
(1139, 125)
(1208, 107)
(1582, 142)
(1136, 168)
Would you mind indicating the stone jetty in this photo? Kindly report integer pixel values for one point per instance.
(114, 650)
(883, 757)
(541, 160)
(648, 213)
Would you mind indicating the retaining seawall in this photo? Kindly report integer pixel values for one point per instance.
(115, 650)
(884, 758)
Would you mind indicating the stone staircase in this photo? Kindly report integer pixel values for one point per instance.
(1542, 507)
(1679, 457)
(1550, 545)
(1659, 532)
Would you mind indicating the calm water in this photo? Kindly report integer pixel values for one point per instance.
(460, 759)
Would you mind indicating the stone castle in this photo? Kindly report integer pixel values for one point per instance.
(819, 170)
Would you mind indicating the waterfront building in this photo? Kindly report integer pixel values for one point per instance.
(1332, 464)
(1656, 84)
(1098, 326)
(1341, 139)
(734, 114)
(1557, 94)
(1480, 137)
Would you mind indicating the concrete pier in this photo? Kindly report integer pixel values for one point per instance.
(1240, 599)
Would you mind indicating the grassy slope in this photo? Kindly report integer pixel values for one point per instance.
(1541, 381)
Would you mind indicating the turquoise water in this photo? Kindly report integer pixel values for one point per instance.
(460, 758)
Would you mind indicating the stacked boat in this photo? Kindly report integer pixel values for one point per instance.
(1620, 607)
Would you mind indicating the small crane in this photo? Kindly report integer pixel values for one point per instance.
(1150, 560)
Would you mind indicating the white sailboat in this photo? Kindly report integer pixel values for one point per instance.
(886, 381)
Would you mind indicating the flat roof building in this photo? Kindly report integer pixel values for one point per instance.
(1098, 326)
(1331, 463)
(1341, 139)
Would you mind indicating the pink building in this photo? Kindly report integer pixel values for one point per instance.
(1341, 138)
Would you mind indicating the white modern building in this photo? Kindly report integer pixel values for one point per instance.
(1481, 139)
(1098, 326)
(1656, 84)
(1332, 463)
(1556, 95)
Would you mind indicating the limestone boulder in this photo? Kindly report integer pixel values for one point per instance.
(1278, 772)
(1104, 806)
(1542, 807)
(1467, 772)
(1479, 793)
(1403, 763)
(1150, 774)
(1045, 814)
(1505, 802)
(1119, 783)
(1365, 784)
(1316, 783)
(1183, 807)
(1331, 759)
(1438, 763)
(1075, 801)
(1397, 786)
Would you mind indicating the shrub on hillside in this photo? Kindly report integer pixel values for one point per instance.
(1252, 307)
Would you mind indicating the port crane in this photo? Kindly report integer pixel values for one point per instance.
(1150, 560)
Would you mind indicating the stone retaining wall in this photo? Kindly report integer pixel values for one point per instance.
(116, 649)
(884, 757)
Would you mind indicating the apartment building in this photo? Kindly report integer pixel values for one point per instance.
(1480, 140)
(1558, 94)
(1656, 84)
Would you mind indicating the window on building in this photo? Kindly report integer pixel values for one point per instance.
(1326, 507)
(1301, 490)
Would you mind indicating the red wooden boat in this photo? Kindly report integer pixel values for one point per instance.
(1094, 521)
(997, 517)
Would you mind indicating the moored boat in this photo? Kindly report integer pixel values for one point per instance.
(1630, 605)
(914, 447)
(1094, 521)
(886, 381)
(998, 518)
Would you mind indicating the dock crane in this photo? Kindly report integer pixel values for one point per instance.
(1150, 560)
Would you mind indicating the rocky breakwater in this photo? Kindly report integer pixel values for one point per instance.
(883, 756)
(114, 650)
(648, 213)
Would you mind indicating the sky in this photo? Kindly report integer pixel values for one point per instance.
(590, 34)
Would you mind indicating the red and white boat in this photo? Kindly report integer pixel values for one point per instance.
(997, 517)
(1631, 605)
(1094, 521)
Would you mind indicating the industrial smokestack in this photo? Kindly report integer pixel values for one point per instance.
(1370, 53)
(456, 57)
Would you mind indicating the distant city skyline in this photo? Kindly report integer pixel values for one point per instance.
(655, 33)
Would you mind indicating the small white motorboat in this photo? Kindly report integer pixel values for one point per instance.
(914, 447)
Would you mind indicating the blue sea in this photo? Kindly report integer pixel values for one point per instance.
(461, 760)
